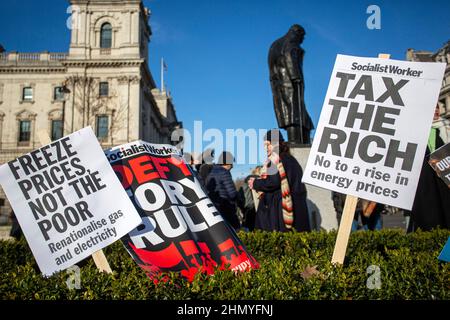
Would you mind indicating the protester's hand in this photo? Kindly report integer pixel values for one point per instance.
(250, 183)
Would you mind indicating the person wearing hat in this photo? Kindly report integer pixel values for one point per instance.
(282, 206)
(221, 189)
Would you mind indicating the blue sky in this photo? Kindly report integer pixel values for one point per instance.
(216, 50)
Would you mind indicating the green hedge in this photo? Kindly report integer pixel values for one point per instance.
(408, 264)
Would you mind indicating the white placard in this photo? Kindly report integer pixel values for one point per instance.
(373, 129)
(67, 200)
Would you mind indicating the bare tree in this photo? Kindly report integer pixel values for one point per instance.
(89, 104)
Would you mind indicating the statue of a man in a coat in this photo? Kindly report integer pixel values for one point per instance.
(286, 79)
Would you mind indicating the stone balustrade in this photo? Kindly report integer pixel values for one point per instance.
(31, 58)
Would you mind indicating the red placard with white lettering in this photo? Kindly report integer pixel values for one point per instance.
(181, 229)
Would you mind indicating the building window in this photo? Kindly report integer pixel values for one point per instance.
(58, 94)
(27, 94)
(57, 129)
(104, 89)
(24, 131)
(106, 36)
(102, 127)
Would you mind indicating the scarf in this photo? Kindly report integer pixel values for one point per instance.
(286, 199)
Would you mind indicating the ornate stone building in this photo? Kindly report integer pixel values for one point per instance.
(103, 81)
(442, 55)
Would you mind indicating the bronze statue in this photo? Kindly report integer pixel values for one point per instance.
(286, 79)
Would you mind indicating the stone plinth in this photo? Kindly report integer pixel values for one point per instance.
(323, 214)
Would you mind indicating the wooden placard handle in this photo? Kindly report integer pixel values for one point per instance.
(344, 230)
(99, 257)
(340, 248)
(101, 262)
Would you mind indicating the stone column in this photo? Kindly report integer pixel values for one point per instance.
(135, 108)
(74, 24)
(2, 115)
(88, 28)
(128, 27)
(84, 29)
(135, 27)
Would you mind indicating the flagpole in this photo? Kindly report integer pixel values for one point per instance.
(162, 74)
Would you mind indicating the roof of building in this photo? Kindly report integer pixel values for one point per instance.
(423, 56)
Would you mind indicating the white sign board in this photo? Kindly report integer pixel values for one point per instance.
(67, 200)
(373, 129)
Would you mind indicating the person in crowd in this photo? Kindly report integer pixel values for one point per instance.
(315, 219)
(206, 164)
(246, 203)
(367, 213)
(371, 214)
(192, 159)
(221, 189)
(432, 201)
(16, 231)
(282, 206)
(338, 203)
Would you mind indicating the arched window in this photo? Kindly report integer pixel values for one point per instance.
(106, 36)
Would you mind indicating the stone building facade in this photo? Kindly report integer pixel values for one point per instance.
(441, 55)
(103, 81)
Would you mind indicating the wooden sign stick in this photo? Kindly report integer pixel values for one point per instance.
(348, 214)
(101, 262)
(99, 257)
(344, 230)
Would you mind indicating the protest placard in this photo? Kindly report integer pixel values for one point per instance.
(373, 129)
(445, 253)
(61, 194)
(181, 230)
(440, 162)
(99, 257)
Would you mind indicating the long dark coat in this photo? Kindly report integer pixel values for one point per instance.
(223, 194)
(269, 215)
(431, 206)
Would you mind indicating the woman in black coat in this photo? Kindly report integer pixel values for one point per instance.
(269, 215)
(431, 208)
